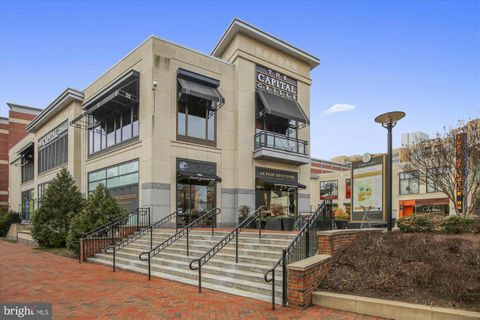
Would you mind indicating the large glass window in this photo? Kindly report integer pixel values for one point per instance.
(28, 206)
(116, 176)
(42, 188)
(116, 120)
(433, 177)
(53, 148)
(329, 189)
(27, 165)
(408, 183)
(195, 122)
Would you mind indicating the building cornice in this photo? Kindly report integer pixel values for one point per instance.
(23, 109)
(240, 26)
(63, 100)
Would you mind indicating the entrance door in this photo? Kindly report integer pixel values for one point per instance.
(195, 198)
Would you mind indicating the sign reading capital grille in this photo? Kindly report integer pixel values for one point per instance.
(54, 134)
(276, 83)
(460, 140)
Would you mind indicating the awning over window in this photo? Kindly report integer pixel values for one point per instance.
(193, 84)
(282, 107)
(287, 184)
(199, 176)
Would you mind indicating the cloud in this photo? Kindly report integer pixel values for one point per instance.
(340, 107)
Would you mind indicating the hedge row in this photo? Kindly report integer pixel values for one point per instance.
(429, 223)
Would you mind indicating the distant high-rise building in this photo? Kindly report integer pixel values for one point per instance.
(412, 138)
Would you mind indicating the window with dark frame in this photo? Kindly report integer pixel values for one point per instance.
(116, 121)
(53, 149)
(41, 191)
(195, 121)
(115, 176)
(432, 176)
(329, 189)
(409, 184)
(27, 165)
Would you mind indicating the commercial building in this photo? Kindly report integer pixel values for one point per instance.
(363, 187)
(170, 128)
(410, 139)
(12, 130)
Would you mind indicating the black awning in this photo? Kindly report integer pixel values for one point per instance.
(282, 107)
(28, 147)
(287, 184)
(199, 176)
(199, 90)
(115, 101)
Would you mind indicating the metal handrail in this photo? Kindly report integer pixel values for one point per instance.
(113, 248)
(180, 233)
(303, 233)
(101, 234)
(261, 138)
(222, 243)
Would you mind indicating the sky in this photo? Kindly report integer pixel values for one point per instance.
(420, 57)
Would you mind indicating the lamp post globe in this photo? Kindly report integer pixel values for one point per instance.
(388, 121)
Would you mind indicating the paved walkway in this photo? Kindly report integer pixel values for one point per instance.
(90, 291)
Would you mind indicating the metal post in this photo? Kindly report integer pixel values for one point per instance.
(273, 289)
(151, 237)
(138, 210)
(199, 277)
(188, 251)
(149, 217)
(236, 245)
(307, 243)
(149, 272)
(389, 178)
(113, 258)
(213, 221)
(284, 278)
(113, 238)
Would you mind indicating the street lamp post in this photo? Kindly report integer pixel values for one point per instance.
(388, 121)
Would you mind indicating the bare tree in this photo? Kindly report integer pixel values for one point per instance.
(433, 163)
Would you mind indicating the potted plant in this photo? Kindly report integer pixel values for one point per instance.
(341, 219)
(244, 212)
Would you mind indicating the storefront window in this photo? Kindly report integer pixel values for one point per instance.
(195, 122)
(28, 206)
(42, 188)
(121, 180)
(433, 176)
(329, 189)
(53, 148)
(27, 165)
(438, 209)
(408, 183)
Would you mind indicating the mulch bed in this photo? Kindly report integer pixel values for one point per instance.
(432, 269)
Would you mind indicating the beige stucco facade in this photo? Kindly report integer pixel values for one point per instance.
(157, 148)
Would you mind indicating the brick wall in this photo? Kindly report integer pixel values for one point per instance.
(304, 276)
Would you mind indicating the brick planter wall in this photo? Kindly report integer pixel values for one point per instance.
(304, 276)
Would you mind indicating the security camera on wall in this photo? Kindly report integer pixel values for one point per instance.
(154, 84)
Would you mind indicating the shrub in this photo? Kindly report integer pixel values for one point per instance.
(476, 224)
(60, 203)
(100, 209)
(277, 209)
(340, 214)
(457, 224)
(415, 223)
(6, 219)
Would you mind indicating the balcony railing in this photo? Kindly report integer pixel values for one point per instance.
(276, 141)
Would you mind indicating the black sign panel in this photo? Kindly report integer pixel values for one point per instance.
(193, 166)
(276, 176)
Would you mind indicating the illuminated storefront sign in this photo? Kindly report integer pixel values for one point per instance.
(460, 140)
(276, 83)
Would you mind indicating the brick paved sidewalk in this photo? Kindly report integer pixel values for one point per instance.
(90, 291)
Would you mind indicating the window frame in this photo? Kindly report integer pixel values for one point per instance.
(106, 178)
(186, 137)
(400, 179)
(49, 156)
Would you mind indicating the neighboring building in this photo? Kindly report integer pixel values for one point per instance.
(408, 196)
(12, 130)
(412, 138)
(170, 128)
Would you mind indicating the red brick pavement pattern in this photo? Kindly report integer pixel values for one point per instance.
(91, 291)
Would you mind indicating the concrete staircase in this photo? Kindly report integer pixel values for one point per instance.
(221, 273)
(22, 233)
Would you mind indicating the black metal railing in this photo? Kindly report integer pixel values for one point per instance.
(277, 141)
(222, 243)
(185, 231)
(108, 234)
(137, 235)
(304, 245)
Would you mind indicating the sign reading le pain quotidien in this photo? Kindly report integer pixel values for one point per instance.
(276, 83)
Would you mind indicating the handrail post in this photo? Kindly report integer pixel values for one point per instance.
(149, 272)
(113, 238)
(188, 251)
(199, 277)
(113, 265)
(236, 246)
(149, 216)
(213, 221)
(307, 243)
(284, 278)
(138, 210)
(273, 289)
(151, 237)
